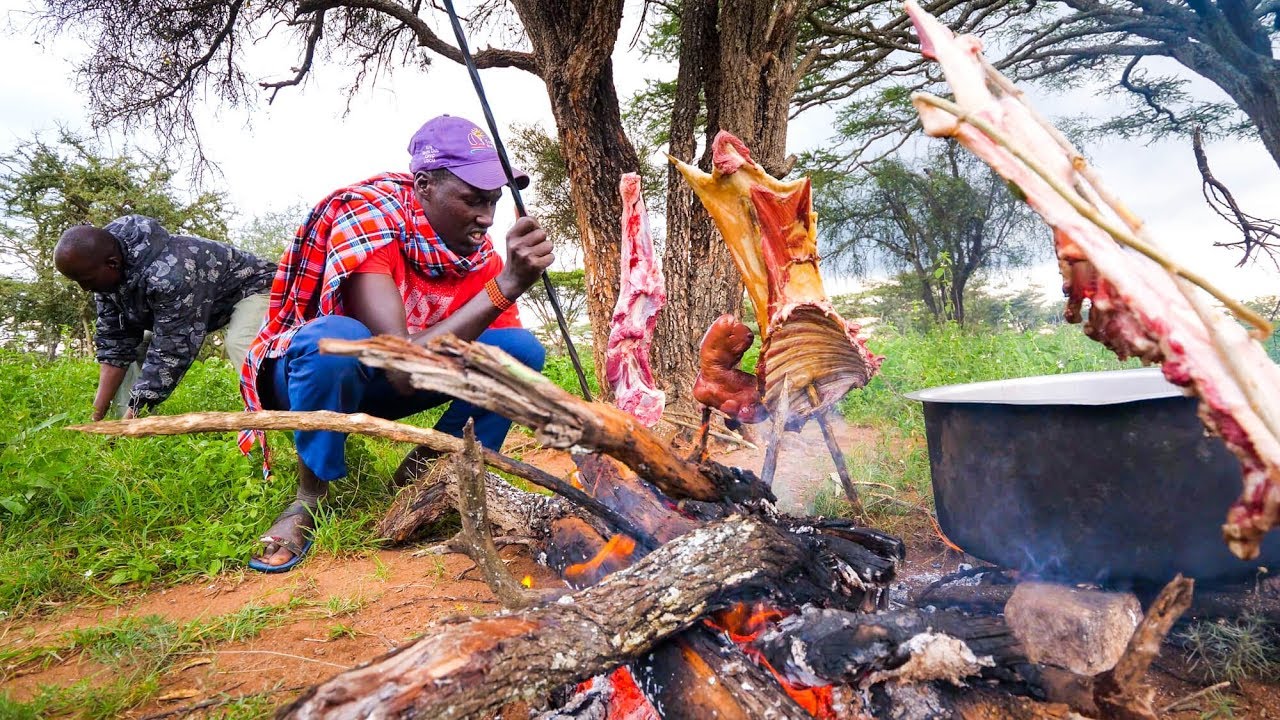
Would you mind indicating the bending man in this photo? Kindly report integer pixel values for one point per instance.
(397, 254)
(176, 287)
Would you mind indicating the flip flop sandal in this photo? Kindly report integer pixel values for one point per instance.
(299, 552)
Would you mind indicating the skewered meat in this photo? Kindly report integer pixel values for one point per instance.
(809, 350)
(641, 296)
(1137, 307)
(720, 384)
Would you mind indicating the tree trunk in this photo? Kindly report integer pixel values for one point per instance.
(737, 58)
(702, 281)
(573, 42)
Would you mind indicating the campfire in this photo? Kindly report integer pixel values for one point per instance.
(686, 594)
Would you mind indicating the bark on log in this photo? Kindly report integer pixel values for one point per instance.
(475, 536)
(513, 511)
(1120, 692)
(355, 423)
(622, 491)
(464, 668)
(699, 675)
(943, 702)
(489, 378)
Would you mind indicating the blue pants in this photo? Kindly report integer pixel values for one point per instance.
(304, 379)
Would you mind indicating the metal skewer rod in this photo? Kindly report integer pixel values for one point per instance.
(515, 191)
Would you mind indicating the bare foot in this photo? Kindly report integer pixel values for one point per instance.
(288, 535)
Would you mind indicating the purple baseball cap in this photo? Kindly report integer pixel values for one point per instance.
(461, 147)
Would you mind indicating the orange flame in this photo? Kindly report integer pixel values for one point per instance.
(615, 555)
(743, 624)
(527, 581)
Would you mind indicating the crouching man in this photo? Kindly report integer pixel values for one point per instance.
(175, 287)
(398, 254)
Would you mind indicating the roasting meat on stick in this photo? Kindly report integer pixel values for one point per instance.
(641, 295)
(810, 357)
(1141, 304)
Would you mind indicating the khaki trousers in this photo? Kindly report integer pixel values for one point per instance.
(246, 318)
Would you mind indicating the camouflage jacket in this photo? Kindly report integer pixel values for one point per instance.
(180, 288)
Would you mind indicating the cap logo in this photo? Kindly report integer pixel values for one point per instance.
(478, 141)
(428, 154)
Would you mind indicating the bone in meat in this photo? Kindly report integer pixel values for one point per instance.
(720, 384)
(641, 296)
(771, 231)
(1137, 308)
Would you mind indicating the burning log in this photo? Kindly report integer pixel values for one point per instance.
(464, 668)
(1142, 304)
(513, 511)
(489, 378)
(700, 675)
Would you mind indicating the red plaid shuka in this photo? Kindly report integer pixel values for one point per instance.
(339, 234)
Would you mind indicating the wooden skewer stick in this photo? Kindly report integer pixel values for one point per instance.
(1082, 206)
(837, 456)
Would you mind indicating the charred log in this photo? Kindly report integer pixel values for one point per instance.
(464, 668)
(700, 675)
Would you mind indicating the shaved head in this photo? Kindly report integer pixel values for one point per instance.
(90, 257)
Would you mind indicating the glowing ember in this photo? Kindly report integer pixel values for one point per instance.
(743, 623)
(615, 555)
(527, 581)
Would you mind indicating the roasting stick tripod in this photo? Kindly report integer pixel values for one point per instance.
(515, 191)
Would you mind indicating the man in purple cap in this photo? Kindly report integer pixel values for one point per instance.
(397, 254)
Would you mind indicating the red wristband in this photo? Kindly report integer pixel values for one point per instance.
(496, 297)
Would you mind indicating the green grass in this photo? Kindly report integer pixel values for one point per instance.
(138, 651)
(88, 516)
(947, 355)
(1247, 647)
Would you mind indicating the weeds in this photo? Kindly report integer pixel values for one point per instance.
(1248, 647)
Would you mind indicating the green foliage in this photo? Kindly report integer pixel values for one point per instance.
(48, 186)
(896, 302)
(947, 354)
(571, 291)
(268, 234)
(942, 225)
(559, 369)
(83, 515)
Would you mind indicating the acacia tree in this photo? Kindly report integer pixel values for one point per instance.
(48, 186)
(941, 225)
(152, 62)
(866, 53)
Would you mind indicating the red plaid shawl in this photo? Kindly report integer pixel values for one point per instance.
(338, 234)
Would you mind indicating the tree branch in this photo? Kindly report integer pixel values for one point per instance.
(1256, 230)
(364, 425)
(317, 31)
(487, 58)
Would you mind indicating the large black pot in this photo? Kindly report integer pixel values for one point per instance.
(1103, 476)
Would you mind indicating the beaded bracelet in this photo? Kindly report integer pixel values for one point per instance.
(496, 297)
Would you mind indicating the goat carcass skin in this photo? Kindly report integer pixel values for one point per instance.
(641, 295)
(1137, 308)
(771, 231)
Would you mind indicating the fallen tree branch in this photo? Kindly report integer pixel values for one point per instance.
(1120, 692)
(489, 378)
(362, 424)
(476, 537)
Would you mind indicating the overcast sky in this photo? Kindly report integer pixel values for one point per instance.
(307, 144)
